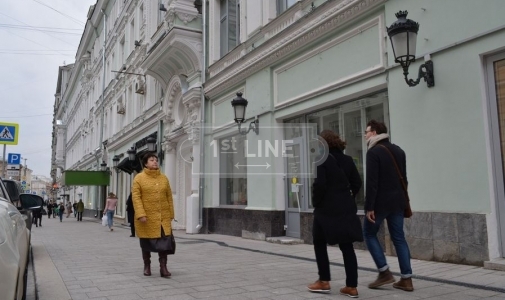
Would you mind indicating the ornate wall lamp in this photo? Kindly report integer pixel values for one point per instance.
(239, 105)
(403, 36)
(115, 162)
(132, 154)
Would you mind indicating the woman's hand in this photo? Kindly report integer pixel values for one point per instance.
(143, 219)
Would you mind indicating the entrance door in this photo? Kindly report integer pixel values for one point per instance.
(496, 89)
(296, 185)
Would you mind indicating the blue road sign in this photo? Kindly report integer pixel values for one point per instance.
(14, 159)
(9, 133)
(23, 182)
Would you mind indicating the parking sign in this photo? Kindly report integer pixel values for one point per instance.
(14, 159)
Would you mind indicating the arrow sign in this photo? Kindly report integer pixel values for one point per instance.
(9, 133)
(238, 166)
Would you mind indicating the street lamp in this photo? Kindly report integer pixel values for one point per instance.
(103, 166)
(403, 36)
(239, 105)
(151, 144)
(132, 153)
(115, 162)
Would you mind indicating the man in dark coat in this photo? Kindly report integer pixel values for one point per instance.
(131, 215)
(386, 200)
(335, 221)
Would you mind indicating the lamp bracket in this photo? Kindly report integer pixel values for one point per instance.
(427, 74)
(254, 126)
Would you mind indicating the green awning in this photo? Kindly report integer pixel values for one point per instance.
(70, 178)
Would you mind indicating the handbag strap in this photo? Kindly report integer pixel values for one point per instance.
(343, 172)
(396, 167)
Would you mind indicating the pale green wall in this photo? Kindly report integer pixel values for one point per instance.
(442, 129)
(355, 54)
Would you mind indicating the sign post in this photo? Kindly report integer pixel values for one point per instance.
(9, 133)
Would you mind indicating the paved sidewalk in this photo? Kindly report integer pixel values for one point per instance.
(83, 260)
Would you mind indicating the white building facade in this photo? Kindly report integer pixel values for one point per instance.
(136, 75)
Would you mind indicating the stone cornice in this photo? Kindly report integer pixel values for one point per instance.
(317, 24)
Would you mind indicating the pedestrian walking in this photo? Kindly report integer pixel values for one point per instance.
(61, 210)
(74, 208)
(154, 212)
(110, 209)
(335, 221)
(131, 214)
(79, 209)
(50, 209)
(69, 208)
(386, 200)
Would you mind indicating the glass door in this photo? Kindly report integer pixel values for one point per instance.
(296, 185)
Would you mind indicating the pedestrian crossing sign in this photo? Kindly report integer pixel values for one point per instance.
(9, 133)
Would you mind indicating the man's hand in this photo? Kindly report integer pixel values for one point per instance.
(143, 219)
(370, 215)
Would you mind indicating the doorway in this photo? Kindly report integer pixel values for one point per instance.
(496, 101)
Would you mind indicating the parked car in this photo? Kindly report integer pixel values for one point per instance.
(15, 191)
(14, 249)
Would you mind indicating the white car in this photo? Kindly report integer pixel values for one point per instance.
(14, 249)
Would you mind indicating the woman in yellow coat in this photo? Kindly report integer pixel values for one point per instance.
(154, 212)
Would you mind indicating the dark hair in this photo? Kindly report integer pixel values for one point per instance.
(147, 156)
(378, 127)
(332, 139)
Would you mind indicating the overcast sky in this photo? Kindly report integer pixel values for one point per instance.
(29, 61)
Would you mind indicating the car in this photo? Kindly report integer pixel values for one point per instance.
(14, 249)
(15, 192)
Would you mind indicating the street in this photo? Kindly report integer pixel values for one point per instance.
(83, 260)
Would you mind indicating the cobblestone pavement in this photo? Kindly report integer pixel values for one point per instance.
(83, 260)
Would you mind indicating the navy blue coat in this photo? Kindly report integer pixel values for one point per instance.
(384, 191)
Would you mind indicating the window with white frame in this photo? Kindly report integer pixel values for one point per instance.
(283, 5)
(229, 25)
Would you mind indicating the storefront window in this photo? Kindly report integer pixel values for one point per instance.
(233, 181)
(349, 121)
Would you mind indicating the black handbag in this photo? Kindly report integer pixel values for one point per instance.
(163, 244)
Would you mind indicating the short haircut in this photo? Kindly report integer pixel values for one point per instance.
(378, 127)
(147, 156)
(332, 139)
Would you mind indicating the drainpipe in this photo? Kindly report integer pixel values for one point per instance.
(102, 148)
(202, 117)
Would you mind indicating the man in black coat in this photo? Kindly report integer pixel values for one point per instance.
(131, 215)
(386, 200)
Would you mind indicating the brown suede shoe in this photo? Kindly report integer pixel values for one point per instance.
(349, 291)
(320, 287)
(404, 284)
(383, 278)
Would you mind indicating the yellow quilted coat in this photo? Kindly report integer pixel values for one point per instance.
(152, 198)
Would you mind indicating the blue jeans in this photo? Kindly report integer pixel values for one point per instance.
(395, 227)
(110, 216)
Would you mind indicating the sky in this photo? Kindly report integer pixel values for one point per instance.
(37, 36)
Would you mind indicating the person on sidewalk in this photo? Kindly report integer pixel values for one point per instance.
(61, 210)
(74, 208)
(79, 209)
(110, 209)
(69, 208)
(385, 200)
(335, 221)
(50, 209)
(154, 212)
(131, 214)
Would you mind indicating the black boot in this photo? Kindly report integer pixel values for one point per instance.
(146, 255)
(163, 265)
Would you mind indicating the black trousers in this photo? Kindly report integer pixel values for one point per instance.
(79, 216)
(323, 262)
(131, 216)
